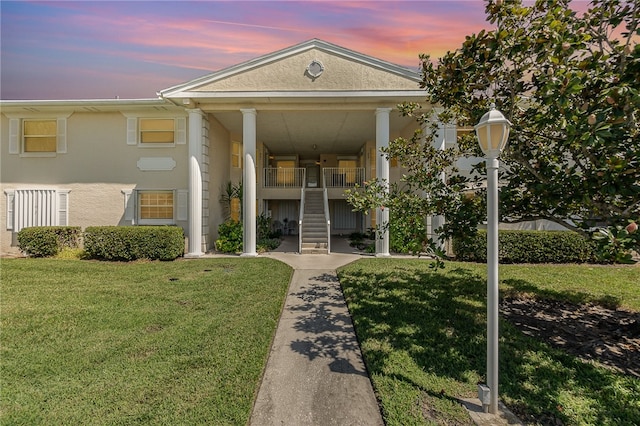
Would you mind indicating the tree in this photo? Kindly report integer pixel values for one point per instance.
(570, 85)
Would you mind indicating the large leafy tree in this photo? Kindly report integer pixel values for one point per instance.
(569, 83)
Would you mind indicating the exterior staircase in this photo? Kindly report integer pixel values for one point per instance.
(315, 238)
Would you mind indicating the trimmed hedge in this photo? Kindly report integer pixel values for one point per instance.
(134, 242)
(46, 241)
(529, 247)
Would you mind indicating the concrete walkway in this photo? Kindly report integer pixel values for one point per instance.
(315, 374)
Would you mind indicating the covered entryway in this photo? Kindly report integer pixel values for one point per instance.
(310, 116)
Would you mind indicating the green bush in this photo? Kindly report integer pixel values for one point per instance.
(134, 242)
(407, 234)
(46, 241)
(230, 237)
(528, 247)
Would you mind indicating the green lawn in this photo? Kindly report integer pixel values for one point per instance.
(169, 343)
(423, 335)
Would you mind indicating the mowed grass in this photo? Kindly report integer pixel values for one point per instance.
(169, 343)
(423, 336)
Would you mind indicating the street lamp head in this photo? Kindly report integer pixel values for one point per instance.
(493, 132)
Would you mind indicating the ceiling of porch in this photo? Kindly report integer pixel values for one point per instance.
(308, 133)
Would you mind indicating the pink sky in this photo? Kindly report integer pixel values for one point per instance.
(132, 49)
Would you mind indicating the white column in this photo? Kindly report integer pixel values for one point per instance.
(249, 182)
(195, 183)
(382, 173)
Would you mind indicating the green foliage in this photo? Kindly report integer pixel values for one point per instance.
(263, 227)
(617, 244)
(528, 247)
(408, 234)
(230, 238)
(229, 192)
(569, 85)
(46, 241)
(128, 243)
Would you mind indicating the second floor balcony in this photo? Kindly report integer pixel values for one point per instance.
(297, 177)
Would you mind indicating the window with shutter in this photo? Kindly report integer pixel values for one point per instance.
(38, 137)
(37, 207)
(155, 207)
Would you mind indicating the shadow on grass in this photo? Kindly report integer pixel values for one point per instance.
(438, 319)
(328, 332)
(518, 286)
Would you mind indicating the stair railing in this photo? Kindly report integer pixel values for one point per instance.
(300, 220)
(327, 218)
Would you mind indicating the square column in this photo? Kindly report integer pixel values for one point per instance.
(249, 182)
(446, 133)
(382, 173)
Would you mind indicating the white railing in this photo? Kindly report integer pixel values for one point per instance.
(327, 218)
(300, 220)
(342, 177)
(275, 177)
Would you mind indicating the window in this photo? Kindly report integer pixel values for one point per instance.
(39, 135)
(347, 168)
(286, 172)
(236, 155)
(155, 207)
(37, 207)
(236, 209)
(157, 130)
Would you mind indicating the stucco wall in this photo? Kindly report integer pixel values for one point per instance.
(219, 165)
(97, 167)
(288, 74)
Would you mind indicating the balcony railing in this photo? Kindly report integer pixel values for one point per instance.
(333, 177)
(284, 177)
(342, 177)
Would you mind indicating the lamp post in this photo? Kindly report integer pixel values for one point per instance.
(492, 132)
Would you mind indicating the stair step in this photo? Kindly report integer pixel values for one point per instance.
(315, 245)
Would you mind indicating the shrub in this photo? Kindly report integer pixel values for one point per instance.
(528, 247)
(229, 237)
(407, 234)
(267, 244)
(134, 242)
(46, 241)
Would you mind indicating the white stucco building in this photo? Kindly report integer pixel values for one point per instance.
(296, 126)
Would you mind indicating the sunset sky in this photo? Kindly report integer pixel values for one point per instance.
(132, 49)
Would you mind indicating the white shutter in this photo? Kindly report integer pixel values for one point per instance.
(183, 204)
(63, 208)
(62, 136)
(181, 131)
(132, 131)
(34, 207)
(129, 205)
(14, 136)
(10, 208)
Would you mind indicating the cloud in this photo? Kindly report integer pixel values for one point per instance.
(150, 42)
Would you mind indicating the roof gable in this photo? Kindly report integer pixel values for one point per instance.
(287, 70)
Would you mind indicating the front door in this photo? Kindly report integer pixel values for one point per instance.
(313, 176)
